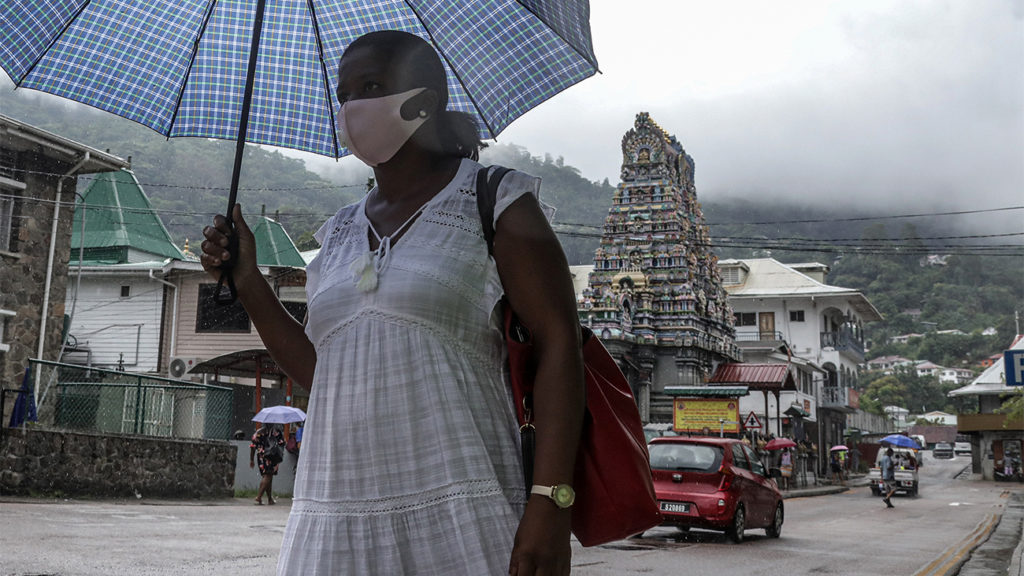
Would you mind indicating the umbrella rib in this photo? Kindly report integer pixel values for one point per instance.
(590, 59)
(43, 53)
(451, 66)
(188, 71)
(323, 70)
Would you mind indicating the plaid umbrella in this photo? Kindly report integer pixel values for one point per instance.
(263, 71)
(179, 66)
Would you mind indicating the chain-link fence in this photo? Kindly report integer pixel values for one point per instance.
(87, 399)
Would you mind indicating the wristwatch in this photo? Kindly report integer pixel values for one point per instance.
(562, 494)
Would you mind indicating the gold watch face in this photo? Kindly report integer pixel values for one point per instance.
(563, 495)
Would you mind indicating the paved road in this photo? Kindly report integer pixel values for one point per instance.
(850, 533)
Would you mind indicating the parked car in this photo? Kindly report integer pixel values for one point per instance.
(942, 451)
(716, 484)
(962, 449)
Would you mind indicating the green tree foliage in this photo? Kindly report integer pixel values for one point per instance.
(904, 388)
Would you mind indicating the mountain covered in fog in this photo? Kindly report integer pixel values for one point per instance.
(903, 265)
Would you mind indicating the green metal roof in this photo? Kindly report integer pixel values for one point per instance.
(273, 245)
(118, 216)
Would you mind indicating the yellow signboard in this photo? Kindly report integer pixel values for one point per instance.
(696, 414)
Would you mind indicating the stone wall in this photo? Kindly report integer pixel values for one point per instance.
(34, 461)
(23, 270)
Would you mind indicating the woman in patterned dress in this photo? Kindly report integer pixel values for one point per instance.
(411, 461)
(264, 438)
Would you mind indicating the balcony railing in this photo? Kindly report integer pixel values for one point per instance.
(758, 336)
(842, 341)
(835, 397)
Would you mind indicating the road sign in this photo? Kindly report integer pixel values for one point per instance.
(1013, 367)
(751, 421)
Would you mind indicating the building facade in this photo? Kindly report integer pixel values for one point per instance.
(779, 304)
(655, 296)
(38, 179)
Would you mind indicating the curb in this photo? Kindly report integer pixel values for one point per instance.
(1000, 553)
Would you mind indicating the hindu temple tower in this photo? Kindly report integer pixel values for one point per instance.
(655, 296)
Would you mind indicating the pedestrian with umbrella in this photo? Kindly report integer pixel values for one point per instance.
(411, 460)
(266, 451)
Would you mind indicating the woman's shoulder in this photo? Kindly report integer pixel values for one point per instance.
(345, 216)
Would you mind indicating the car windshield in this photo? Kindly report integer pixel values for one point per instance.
(692, 457)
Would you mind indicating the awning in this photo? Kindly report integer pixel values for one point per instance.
(795, 411)
(242, 364)
(763, 377)
(707, 391)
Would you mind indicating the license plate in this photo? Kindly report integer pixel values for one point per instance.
(675, 507)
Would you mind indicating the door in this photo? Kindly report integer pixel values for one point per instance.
(763, 489)
(766, 325)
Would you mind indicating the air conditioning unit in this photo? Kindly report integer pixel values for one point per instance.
(180, 366)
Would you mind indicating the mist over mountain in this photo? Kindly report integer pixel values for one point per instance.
(870, 248)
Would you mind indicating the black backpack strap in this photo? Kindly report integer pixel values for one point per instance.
(487, 197)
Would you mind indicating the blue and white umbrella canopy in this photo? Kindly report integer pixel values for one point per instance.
(279, 415)
(179, 66)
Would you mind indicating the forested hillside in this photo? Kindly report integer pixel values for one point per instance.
(883, 256)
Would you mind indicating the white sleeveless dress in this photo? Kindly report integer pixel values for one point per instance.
(410, 457)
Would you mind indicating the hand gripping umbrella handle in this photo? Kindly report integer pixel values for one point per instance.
(228, 297)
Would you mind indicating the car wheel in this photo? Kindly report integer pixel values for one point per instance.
(875, 491)
(775, 530)
(739, 525)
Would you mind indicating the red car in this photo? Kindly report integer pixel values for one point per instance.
(714, 483)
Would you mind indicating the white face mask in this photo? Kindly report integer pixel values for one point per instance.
(373, 128)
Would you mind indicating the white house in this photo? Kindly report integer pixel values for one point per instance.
(821, 325)
(888, 363)
(115, 289)
(939, 417)
(928, 368)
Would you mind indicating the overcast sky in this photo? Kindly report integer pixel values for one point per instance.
(906, 103)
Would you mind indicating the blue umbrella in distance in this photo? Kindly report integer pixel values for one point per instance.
(901, 441)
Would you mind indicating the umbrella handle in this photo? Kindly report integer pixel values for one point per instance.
(223, 297)
(231, 296)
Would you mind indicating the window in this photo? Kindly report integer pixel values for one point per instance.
(213, 317)
(126, 291)
(738, 458)
(796, 315)
(746, 318)
(755, 465)
(297, 310)
(730, 276)
(5, 315)
(6, 222)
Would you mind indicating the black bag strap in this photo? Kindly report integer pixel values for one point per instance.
(487, 197)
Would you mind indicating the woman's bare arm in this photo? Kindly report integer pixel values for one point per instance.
(284, 337)
(536, 279)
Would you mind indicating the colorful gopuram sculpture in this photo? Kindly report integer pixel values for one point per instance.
(655, 296)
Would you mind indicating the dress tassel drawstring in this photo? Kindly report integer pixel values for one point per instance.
(367, 268)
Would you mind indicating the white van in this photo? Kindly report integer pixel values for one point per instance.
(906, 461)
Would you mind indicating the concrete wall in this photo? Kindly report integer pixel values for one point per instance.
(78, 464)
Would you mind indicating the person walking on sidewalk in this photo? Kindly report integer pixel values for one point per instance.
(888, 477)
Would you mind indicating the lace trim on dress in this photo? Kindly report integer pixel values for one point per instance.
(437, 334)
(407, 502)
